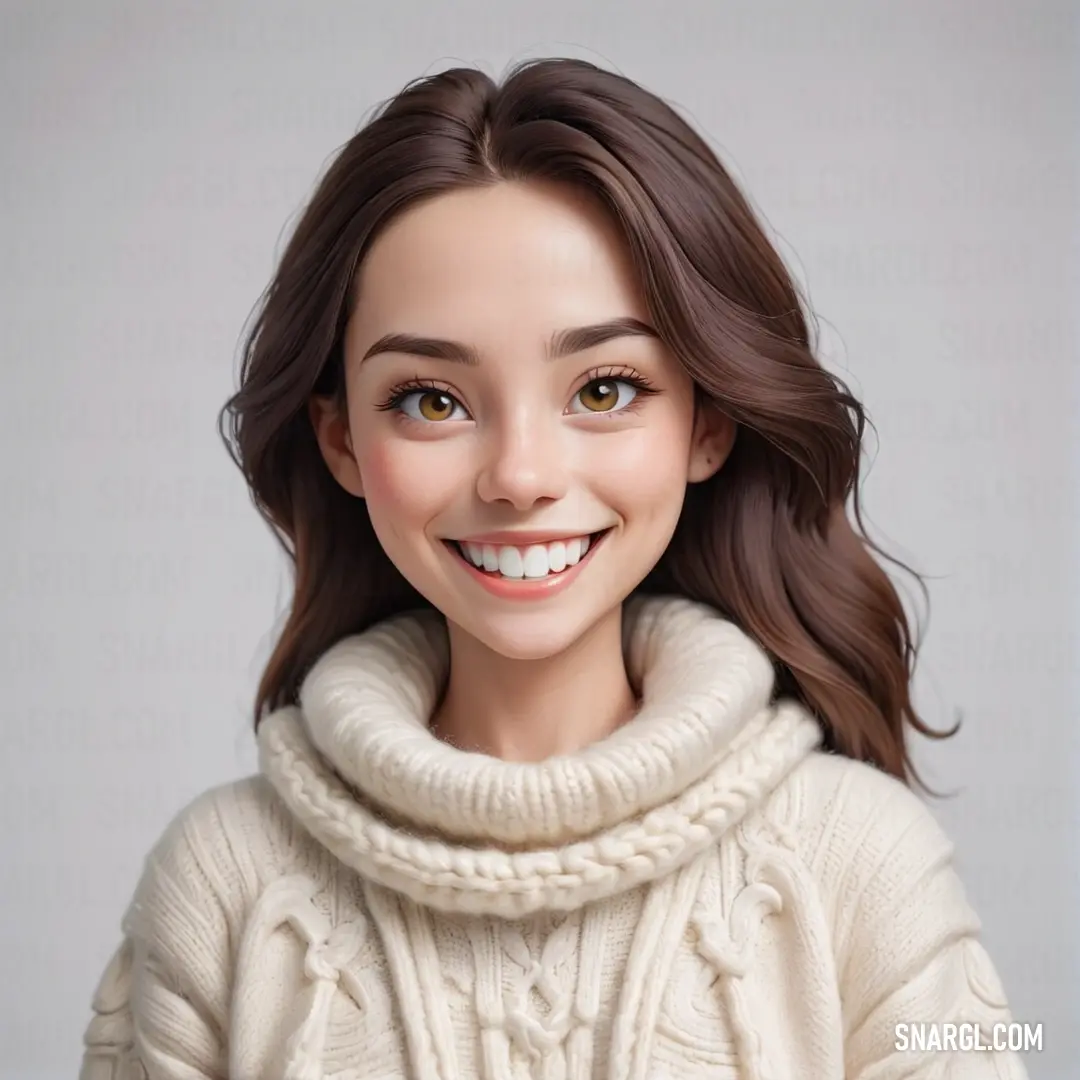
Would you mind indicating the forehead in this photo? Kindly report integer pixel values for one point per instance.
(515, 255)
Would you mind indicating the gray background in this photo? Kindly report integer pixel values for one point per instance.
(918, 164)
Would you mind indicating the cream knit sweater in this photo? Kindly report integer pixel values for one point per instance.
(703, 894)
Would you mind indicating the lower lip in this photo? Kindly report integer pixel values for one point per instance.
(526, 588)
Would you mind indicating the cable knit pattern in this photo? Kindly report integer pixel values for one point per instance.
(703, 894)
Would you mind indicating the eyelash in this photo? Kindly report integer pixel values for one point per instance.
(402, 390)
(644, 388)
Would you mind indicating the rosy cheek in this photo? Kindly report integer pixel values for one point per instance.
(380, 471)
(400, 480)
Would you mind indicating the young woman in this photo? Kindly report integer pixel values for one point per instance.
(583, 749)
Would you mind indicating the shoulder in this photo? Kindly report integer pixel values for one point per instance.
(866, 837)
(904, 937)
(880, 863)
(835, 801)
(168, 984)
(213, 857)
(219, 820)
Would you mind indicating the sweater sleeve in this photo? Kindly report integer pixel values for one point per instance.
(160, 1011)
(919, 993)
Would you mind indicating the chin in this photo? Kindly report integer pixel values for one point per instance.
(529, 636)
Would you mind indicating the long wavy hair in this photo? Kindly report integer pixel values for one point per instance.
(774, 541)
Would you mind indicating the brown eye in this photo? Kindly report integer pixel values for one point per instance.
(432, 406)
(436, 405)
(604, 395)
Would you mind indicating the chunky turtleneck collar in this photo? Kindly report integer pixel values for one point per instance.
(460, 831)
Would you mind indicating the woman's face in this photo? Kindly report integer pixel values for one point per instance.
(522, 438)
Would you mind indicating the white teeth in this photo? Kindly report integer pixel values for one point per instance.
(556, 556)
(511, 563)
(534, 562)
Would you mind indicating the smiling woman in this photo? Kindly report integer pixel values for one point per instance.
(547, 404)
(578, 609)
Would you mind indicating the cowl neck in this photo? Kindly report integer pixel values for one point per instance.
(357, 765)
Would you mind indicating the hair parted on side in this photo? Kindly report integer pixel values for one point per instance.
(768, 541)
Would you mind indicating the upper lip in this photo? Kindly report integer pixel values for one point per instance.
(525, 537)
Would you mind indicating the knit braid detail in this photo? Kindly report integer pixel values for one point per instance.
(110, 1038)
(329, 950)
(512, 884)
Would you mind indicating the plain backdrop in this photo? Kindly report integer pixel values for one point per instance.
(917, 164)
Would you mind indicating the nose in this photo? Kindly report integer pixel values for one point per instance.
(524, 463)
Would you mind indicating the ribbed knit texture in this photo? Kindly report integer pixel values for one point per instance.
(701, 894)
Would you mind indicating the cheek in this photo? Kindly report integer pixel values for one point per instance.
(643, 468)
(382, 472)
(400, 486)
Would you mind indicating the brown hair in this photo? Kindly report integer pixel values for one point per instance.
(768, 541)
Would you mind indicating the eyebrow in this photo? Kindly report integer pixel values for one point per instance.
(563, 342)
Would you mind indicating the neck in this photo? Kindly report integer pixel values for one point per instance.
(530, 710)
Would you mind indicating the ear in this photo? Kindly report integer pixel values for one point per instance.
(331, 424)
(711, 443)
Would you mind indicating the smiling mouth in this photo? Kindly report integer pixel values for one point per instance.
(532, 562)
